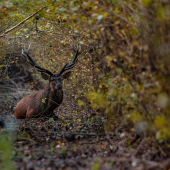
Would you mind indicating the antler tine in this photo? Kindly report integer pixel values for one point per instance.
(27, 53)
(29, 48)
(73, 47)
(75, 58)
(73, 62)
(33, 63)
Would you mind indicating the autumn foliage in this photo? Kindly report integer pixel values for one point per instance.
(123, 70)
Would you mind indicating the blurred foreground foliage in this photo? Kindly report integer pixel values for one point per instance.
(6, 152)
(124, 67)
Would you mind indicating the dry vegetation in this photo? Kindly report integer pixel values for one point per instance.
(118, 93)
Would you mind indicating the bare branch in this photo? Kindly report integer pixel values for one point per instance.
(9, 30)
(11, 23)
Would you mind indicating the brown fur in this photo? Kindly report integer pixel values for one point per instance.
(32, 105)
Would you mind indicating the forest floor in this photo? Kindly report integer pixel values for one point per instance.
(78, 140)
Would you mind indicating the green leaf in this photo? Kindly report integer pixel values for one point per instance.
(146, 2)
(6, 78)
(51, 119)
(43, 100)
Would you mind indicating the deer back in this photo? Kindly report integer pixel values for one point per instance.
(39, 103)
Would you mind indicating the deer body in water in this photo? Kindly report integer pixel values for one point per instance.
(44, 101)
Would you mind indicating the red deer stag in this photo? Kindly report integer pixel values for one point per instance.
(52, 95)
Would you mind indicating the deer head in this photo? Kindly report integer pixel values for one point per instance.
(54, 79)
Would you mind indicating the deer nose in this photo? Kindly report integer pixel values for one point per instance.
(59, 85)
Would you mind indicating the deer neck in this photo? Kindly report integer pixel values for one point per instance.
(53, 94)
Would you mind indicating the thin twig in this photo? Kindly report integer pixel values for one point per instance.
(117, 15)
(11, 23)
(20, 139)
(152, 164)
(9, 30)
(86, 134)
(11, 88)
(6, 69)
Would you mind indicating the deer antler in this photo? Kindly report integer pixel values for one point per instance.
(33, 63)
(73, 62)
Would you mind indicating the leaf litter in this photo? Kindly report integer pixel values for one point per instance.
(79, 141)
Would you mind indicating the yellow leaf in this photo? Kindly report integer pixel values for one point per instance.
(81, 103)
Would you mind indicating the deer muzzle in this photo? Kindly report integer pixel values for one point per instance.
(59, 86)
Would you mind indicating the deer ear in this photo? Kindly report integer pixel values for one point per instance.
(45, 76)
(66, 75)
